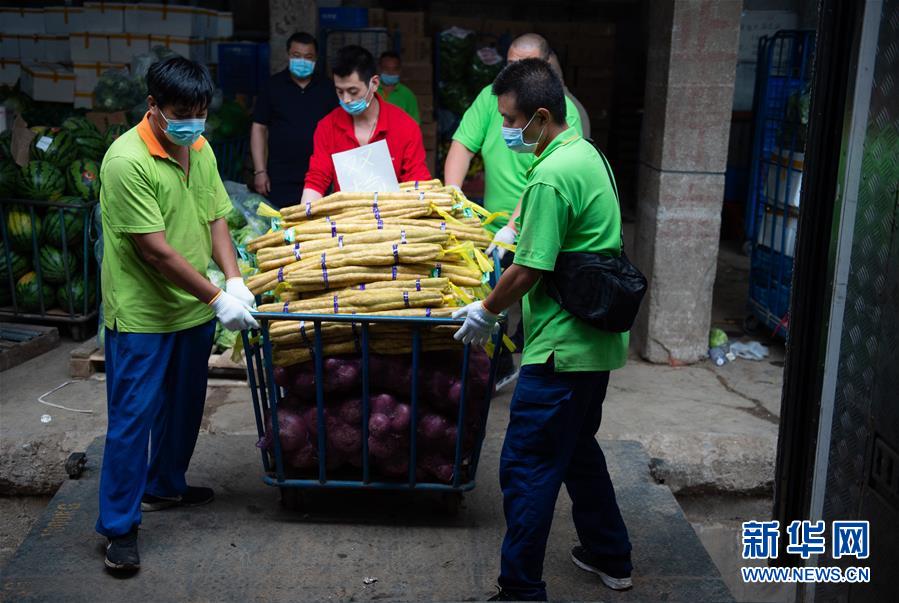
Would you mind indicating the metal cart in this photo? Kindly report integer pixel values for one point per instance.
(772, 210)
(80, 317)
(266, 394)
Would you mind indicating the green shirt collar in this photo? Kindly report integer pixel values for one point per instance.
(565, 137)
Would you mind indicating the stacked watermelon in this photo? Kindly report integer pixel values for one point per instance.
(83, 179)
(29, 292)
(54, 145)
(9, 178)
(64, 224)
(77, 295)
(88, 140)
(23, 226)
(42, 180)
(113, 132)
(56, 266)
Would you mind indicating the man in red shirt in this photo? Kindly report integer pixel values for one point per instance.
(363, 117)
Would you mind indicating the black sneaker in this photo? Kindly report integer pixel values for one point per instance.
(587, 562)
(193, 497)
(121, 552)
(503, 596)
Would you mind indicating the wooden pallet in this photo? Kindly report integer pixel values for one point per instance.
(88, 359)
(21, 342)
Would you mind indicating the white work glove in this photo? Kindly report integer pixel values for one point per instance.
(232, 313)
(506, 235)
(236, 287)
(479, 324)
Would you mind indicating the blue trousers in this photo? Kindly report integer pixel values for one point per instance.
(551, 440)
(155, 390)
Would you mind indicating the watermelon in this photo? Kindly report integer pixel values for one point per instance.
(9, 178)
(90, 144)
(77, 123)
(20, 265)
(83, 178)
(77, 297)
(53, 265)
(54, 145)
(113, 132)
(20, 228)
(29, 291)
(42, 180)
(73, 229)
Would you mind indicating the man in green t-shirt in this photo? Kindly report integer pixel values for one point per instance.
(568, 204)
(392, 89)
(163, 210)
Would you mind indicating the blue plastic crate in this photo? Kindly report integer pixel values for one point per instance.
(342, 17)
(243, 67)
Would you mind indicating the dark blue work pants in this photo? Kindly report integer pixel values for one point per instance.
(551, 440)
(156, 391)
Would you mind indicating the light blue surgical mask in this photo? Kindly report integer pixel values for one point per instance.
(514, 138)
(390, 79)
(357, 106)
(183, 132)
(301, 68)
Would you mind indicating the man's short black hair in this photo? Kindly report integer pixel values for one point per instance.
(534, 85)
(180, 82)
(356, 59)
(389, 54)
(301, 37)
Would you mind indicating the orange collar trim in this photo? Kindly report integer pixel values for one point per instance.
(145, 131)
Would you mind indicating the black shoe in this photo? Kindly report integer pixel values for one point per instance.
(121, 552)
(503, 596)
(193, 497)
(613, 579)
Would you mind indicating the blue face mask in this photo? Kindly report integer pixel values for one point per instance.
(183, 132)
(301, 68)
(514, 138)
(357, 106)
(389, 79)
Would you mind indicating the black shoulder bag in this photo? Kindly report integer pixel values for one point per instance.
(602, 290)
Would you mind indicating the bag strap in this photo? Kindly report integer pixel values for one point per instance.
(605, 163)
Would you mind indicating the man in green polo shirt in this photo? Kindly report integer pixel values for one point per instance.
(163, 210)
(392, 89)
(569, 204)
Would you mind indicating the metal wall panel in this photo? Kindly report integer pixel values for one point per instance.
(866, 405)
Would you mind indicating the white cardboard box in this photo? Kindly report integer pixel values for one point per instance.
(63, 19)
(22, 20)
(48, 82)
(83, 100)
(784, 241)
(784, 180)
(44, 48)
(191, 48)
(88, 47)
(219, 24)
(104, 17)
(9, 72)
(123, 47)
(9, 46)
(163, 19)
(87, 75)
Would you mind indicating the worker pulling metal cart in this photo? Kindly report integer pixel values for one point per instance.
(372, 419)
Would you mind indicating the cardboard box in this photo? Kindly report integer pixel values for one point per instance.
(104, 17)
(191, 48)
(123, 47)
(63, 19)
(162, 19)
(407, 23)
(104, 119)
(224, 25)
(377, 17)
(87, 47)
(44, 48)
(48, 82)
(10, 70)
(88, 74)
(417, 49)
(22, 20)
(9, 46)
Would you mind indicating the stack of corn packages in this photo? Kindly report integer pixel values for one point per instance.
(416, 253)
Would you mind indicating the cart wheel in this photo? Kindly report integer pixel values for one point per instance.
(292, 499)
(751, 325)
(451, 502)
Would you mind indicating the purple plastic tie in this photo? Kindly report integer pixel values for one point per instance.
(324, 270)
(335, 305)
(393, 271)
(333, 229)
(396, 253)
(286, 307)
(308, 209)
(406, 298)
(380, 224)
(418, 284)
(281, 274)
(427, 312)
(403, 236)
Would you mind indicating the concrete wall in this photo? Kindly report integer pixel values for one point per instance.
(689, 92)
